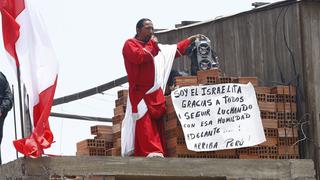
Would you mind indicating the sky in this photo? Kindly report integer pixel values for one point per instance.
(87, 37)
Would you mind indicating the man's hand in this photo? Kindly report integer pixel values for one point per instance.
(194, 37)
(154, 38)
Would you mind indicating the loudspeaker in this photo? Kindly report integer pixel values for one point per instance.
(205, 56)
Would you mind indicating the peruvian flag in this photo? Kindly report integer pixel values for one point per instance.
(29, 48)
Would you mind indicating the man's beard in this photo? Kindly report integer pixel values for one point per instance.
(147, 38)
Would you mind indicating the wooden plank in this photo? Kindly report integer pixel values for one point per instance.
(310, 25)
(170, 167)
(229, 47)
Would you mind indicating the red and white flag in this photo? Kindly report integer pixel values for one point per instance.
(28, 46)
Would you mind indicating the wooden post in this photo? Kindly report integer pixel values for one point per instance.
(110, 178)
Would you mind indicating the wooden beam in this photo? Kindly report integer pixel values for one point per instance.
(158, 168)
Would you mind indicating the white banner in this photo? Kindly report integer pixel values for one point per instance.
(215, 117)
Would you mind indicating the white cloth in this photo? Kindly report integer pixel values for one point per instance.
(163, 64)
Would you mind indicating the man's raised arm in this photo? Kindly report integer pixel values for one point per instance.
(184, 44)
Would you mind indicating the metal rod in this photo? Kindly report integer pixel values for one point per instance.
(15, 119)
(90, 92)
(20, 102)
(78, 117)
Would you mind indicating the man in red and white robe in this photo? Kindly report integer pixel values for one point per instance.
(148, 65)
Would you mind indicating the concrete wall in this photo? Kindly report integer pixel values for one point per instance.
(118, 168)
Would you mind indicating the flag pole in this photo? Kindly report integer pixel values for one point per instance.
(20, 102)
(15, 119)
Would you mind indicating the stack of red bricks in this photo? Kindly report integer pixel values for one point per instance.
(119, 112)
(102, 142)
(107, 140)
(278, 113)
